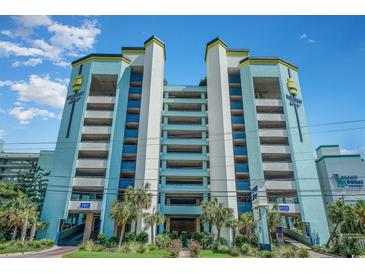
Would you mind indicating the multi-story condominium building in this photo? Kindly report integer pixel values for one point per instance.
(11, 163)
(241, 137)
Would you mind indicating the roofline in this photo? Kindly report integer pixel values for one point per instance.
(99, 55)
(158, 41)
(257, 59)
(339, 156)
(212, 42)
(321, 146)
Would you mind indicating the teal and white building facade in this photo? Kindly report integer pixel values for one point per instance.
(240, 137)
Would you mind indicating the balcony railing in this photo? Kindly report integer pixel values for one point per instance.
(239, 151)
(235, 92)
(238, 120)
(129, 149)
(136, 77)
(134, 104)
(244, 207)
(135, 90)
(241, 168)
(132, 118)
(128, 165)
(236, 105)
(131, 133)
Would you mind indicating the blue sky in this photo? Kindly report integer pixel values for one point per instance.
(35, 53)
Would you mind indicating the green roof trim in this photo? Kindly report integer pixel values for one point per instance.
(97, 55)
(338, 156)
(324, 146)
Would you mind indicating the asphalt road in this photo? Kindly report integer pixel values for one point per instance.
(55, 252)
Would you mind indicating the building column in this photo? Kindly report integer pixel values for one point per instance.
(260, 214)
(168, 224)
(197, 224)
(88, 226)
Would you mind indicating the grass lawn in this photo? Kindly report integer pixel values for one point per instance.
(161, 253)
(20, 249)
(206, 253)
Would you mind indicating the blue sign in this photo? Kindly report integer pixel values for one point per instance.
(85, 205)
(283, 208)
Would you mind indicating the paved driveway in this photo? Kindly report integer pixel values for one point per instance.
(54, 252)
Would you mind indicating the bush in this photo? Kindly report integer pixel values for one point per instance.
(163, 240)
(141, 248)
(175, 247)
(102, 239)
(46, 242)
(222, 241)
(113, 241)
(234, 252)
(347, 247)
(130, 237)
(317, 248)
(246, 249)
(288, 252)
(174, 235)
(125, 249)
(198, 236)
(218, 248)
(267, 254)
(151, 247)
(184, 238)
(195, 248)
(142, 237)
(87, 246)
(302, 253)
(98, 248)
(241, 239)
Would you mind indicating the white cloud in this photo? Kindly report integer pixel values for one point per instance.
(26, 115)
(2, 133)
(62, 41)
(32, 62)
(305, 37)
(39, 89)
(357, 150)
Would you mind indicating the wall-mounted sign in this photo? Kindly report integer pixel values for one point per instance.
(85, 205)
(254, 193)
(283, 208)
(351, 181)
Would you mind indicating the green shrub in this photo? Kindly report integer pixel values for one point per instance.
(89, 245)
(317, 248)
(288, 252)
(246, 249)
(125, 249)
(174, 235)
(142, 237)
(175, 247)
(112, 242)
(241, 239)
(222, 241)
(302, 253)
(102, 238)
(195, 248)
(142, 248)
(98, 248)
(347, 247)
(218, 248)
(36, 244)
(163, 240)
(254, 240)
(234, 252)
(151, 247)
(267, 254)
(198, 236)
(130, 237)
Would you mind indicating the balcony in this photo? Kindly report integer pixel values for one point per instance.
(125, 166)
(131, 133)
(235, 92)
(289, 208)
(197, 142)
(270, 117)
(236, 105)
(184, 101)
(280, 185)
(125, 183)
(96, 130)
(94, 146)
(184, 188)
(184, 156)
(184, 113)
(129, 149)
(135, 90)
(277, 166)
(238, 135)
(243, 185)
(269, 103)
(85, 206)
(185, 127)
(182, 210)
(183, 172)
(238, 120)
(241, 168)
(101, 100)
(136, 78)
(273, 133)
(98, 114)
(273, 149)
(134, 104)
(244, 207)
(132, 118)
(234, 79)
(88, 182)
(239, 151)
(91, 163)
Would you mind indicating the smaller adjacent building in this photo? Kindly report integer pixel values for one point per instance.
(341, 176)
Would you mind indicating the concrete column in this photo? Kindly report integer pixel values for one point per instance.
(197, 224)
(168, 224)
(222, 172)
(88, 226)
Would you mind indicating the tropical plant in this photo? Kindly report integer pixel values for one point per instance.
(195, 248)
(28, 214)
(123, 213)
(163, 240)
(214, 213)
(141, 198)
(359, 209)
(153, 219)
(142, 237)
(175, 247)
(246, 224)
(273, 221)
(336, 214)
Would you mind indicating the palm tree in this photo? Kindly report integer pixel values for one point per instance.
(246, 224)
(359, 209)
(273, 221)
(216, 214)
(29, 213)
(36, 225)
(123, 213)
(141, 198)
(152, 220)
(336, 214)
(233, 224)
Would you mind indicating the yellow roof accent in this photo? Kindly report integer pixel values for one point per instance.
(101, 59)
(253, 61)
